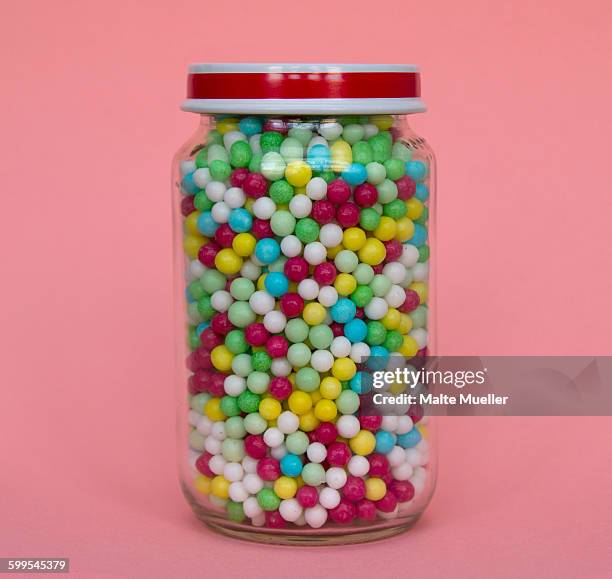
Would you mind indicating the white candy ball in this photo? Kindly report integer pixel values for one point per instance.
(264, 208)
(237, 492)
(250, 270)
(255, 145)
(370, 129)
(278, 451)
(322, 360)
(252, 483)
(358, 465)
(193, 417)
(318, 140)
(204, 425)
(395, 297)
(335, 477)
(329, 498)
(413, 457)
(316, 188)
(187, 167)
(421, 337)
(316, 517)
(234, 197)
(218, 430)
(273, 437)
(251, 507)
(220, 212)
(234, 385)
(340, 347)
(316, 452)
(420, 272)
(281, 367)
(359, 352)
(201, 177)
(197, 268)
(410, 255)
(249, 464)
(402, 472)
(287, 422)
(330, 130)
(395, 271)
(330, 235)
(233, 471)
(217, 464)
(274, 321)
(301, 205)
(308, 289)
(213, 445)
(404, 424)
(377, 309)
(258, 520)
(396, 456)
(221, 300)
(231, 137)
(328, 296)
(315, 253)
(348, 426)
(290, 510)
(215, 191)
(291, 246)
(262, 302)
(389, 423)
(197, 441)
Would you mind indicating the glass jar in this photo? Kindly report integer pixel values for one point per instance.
(301, 224)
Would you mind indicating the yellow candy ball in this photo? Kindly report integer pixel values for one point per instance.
(308, 422)
(387, 229)
(414, 207)
(405, 324)
(341, 155)
(298, 173)
(202, 484)
(270, 408)
(316, 396)
(409, 347)
(330, 388)
(376, 488)
(314, 314)
(345, 284)
(420, 287)
(212, 409)
(227, 125)
(354, 238)
(219, 487)
(299, 402)
(299, 191)
(363, 443)
(325, 410)
(248, 204)
(192, 245)
(343, 369)
(333, 251)
(221, 358)
(260, 281)
(392, 318)
(228, 262)
(191, 223)
(405, 229)
(285, 487)
(373, 252)
(423, 430)
(383, 122)
(244, 244)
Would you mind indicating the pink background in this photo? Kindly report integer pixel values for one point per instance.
(519, 95)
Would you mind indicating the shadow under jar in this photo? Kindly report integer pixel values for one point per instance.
(302, 233)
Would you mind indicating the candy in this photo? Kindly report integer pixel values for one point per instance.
(307, 246)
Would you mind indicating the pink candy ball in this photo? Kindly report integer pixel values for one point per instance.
(224, 235)
(354, 490)
(276, 125)
(238, 176)
(256, 334)
(208, 252)
(387, 504)
(411, 302)
(394, 250)
(277, 346)
(326, 432)
(198, 382)
(323, 211)
(221, 324)
(255, 185)
(337, 329)
(187, 206)
(268, 468)
(371, 423)
(291, 305)
(307, 496)
(209, 339)
(416, 412)
(338, 191)
(365, 195)
(338, 454)
(280, 387)
(215, 386)
(325, 273)
(296, 269)
(347, 215)
(202, 464)
(261, 229)
(402, 489)
(274, 520)
(406, 188)
(255, 446)
(199, 359)
(366, 510)
(344, 513)
(379, 464)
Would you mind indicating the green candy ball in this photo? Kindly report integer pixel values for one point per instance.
(347, 402)
(396, 209)
(401, 152)
(282, 223)
(381, 146)
(236, 343)
(298, 354)
(296, 330)
(301, 134)
(217, 152)
(240, 154)
(242, 288)
(255, 163)
(346, 261)
(201, 159)
(362, 296)
(362, 153)
(321, 337)
(196, 290)
(380, 285)
(201, 202)
(419, 317)
(292, 150)
(232, 449)
(212, 281)
(313, 474)
(257, 382)
(307, 379)
(261, 361)
(393, 341)
(387, 191)
(297, 442)
(268, 500)
(249, 401)
(255, 424)
(369, 219)
(241, 365)
(229, 406)
(235, 512)
(241, 314)
(220, 170)
(377, 333)
(281, 192)
(423, 253)
(307, 230)
(205, 308)
(270, 141)
(353, 133)
(193, 339)
(364, 274)
(376, 173)
(234, 427)
(395, 168)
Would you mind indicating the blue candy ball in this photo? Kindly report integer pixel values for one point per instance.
(355, 174)
(188, 185)
(356, 330)
(385, 441)
(267, 250)
(420, 235)
(343, 311)
(240, 220)
(276, 284)
(291, 465)
(422, 192)
(416, 170)
(318, 157)
(409, 439)
(361, 382)
(206, 224)
(201, 327)
(378, 359)
(250, 126)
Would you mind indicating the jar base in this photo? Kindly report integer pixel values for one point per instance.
(305, 536)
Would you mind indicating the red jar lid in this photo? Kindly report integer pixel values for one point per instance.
(303, 89)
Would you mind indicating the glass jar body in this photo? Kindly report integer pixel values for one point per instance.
(301, 248)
